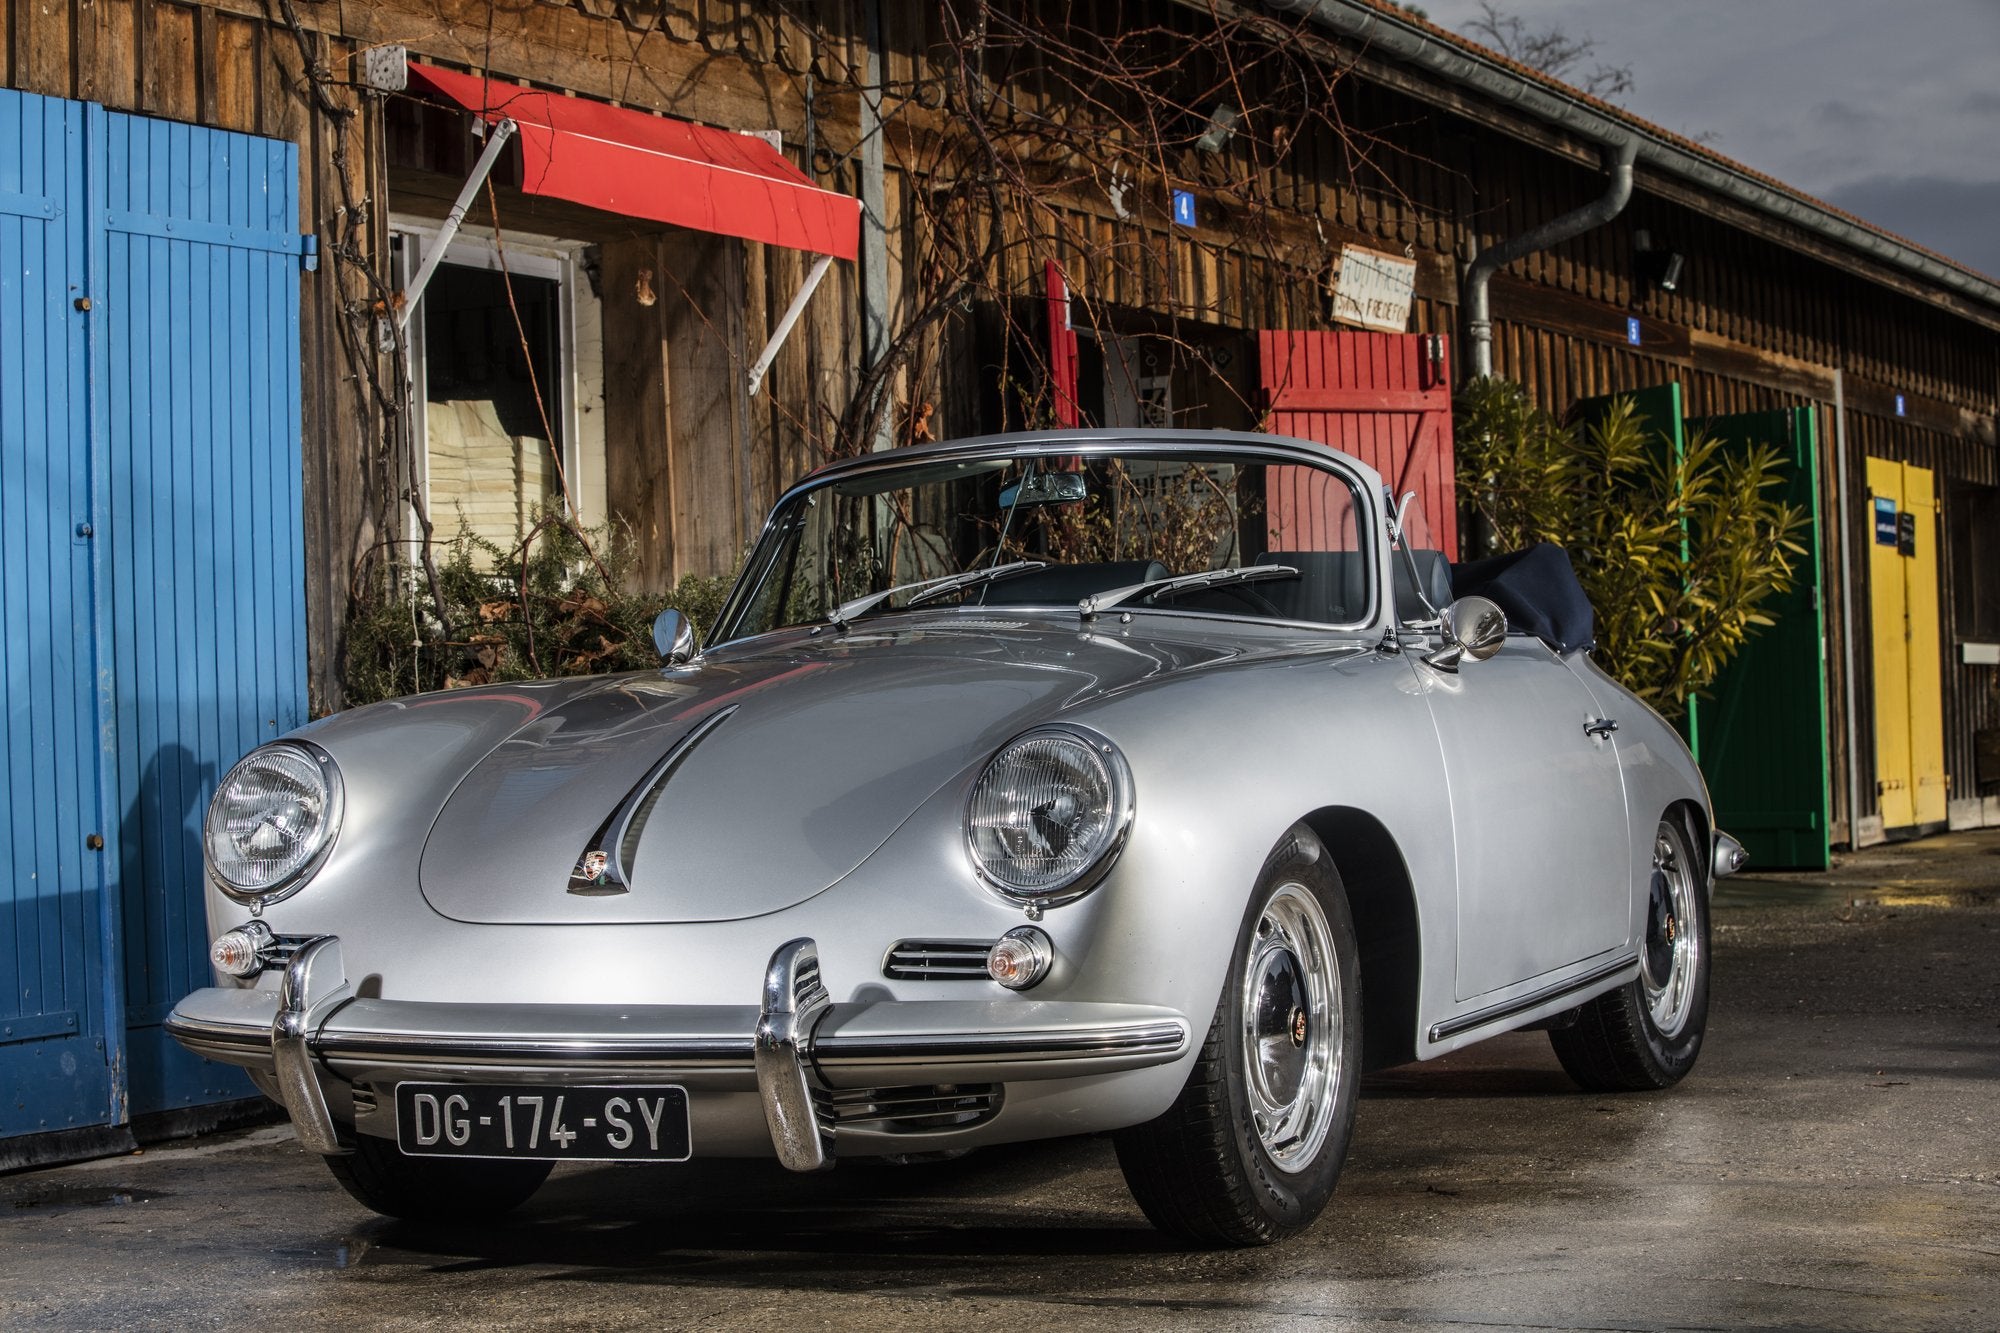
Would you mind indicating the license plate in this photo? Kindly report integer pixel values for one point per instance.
(555, 1124)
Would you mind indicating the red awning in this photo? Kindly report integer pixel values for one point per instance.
(648, 166)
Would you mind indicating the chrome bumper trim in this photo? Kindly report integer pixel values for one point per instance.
(680, 1052)
(1168, 1039)
(792, 1049)
(235, 1043)
(1729, 855)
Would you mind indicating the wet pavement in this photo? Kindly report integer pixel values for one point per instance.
(1833, 1162)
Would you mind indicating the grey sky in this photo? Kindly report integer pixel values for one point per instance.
(1890, 110)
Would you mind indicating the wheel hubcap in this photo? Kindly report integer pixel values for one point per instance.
(1291, 1027)
(1672, 952)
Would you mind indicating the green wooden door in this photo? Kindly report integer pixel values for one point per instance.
(1763, 727)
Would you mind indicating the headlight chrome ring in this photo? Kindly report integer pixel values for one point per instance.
(1048, 815)
(272, 821)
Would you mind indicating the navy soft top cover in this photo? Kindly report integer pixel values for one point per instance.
(1537, 589)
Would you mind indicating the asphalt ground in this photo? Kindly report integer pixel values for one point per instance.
(1833, 1162)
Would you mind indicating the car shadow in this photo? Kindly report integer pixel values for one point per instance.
(1002, 1213)
(859, 1226)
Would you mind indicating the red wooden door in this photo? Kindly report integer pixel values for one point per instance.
(1383, 397)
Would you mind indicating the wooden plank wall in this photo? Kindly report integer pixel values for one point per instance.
(233, 70)
(1763, 316)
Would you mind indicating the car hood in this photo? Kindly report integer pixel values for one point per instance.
(757, 777)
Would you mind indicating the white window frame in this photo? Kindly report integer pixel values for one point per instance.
(526, 256)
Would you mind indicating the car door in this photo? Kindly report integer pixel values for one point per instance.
(1538, 816)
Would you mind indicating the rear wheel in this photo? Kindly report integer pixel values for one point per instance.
(1645, 1035)
(433, 1189)
(1250, 1151)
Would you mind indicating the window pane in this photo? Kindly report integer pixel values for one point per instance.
(491, 445)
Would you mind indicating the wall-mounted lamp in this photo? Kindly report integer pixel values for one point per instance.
(1659, 268)
(1222, 121)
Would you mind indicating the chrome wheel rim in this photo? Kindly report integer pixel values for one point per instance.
(1671, 955)
(1292, 1023)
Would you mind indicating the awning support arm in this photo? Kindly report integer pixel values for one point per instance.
(435, 255)
(792, 313)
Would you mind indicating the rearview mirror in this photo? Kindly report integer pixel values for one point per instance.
(1044, 488)
(673, 636)
(1473, 627)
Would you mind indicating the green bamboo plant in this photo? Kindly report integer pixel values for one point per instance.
(1679, 555)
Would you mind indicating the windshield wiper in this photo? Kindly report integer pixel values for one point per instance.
(1208, 578)
(925, 590)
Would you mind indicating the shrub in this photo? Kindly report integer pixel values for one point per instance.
(550, 607)
(1676, 555)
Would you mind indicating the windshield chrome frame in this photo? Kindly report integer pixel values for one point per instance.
(1219, 445)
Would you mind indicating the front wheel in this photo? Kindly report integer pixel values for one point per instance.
(1646, 1034)
(1250, 1151)
(434, 1189)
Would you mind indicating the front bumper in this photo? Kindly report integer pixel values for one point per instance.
(797, 1053)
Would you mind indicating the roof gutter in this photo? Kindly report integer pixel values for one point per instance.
(1385, 35)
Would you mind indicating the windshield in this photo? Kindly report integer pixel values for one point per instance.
(1073, 526)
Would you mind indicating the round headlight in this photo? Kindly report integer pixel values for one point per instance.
(1048, 812)
(272, 821)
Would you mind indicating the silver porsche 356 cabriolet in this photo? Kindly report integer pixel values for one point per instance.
(1146, 783)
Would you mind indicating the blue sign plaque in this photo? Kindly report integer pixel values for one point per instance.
(1885, 521)
(1184, 207)
(1632, 330)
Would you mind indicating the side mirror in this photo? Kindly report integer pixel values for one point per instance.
(1473, 628)
(673, 636)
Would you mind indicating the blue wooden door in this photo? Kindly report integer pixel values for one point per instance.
(152, 619)
(58, 1002)
(203, 568)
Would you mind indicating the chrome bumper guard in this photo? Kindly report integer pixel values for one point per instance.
(1729, 855)
(795, 1045)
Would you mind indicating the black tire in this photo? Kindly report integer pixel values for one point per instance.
(1619, 1042)
(433, 1189)
(1203, 1172)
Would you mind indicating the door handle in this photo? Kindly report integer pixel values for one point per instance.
(1601, 728)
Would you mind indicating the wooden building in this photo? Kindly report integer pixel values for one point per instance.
(1432, 148)
(1109, 212)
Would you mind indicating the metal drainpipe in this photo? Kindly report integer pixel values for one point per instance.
(874, 216)
(1619, 155)
(1851, 722)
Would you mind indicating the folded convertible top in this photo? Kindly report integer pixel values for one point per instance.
(1538, 590)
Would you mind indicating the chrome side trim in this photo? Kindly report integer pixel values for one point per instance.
(794, 1004)
(315, 980)
(1480, 1018)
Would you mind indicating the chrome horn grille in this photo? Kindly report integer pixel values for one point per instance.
(911, 1110)
(937, 960)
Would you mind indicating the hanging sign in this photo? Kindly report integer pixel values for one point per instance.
(1885, 521)
(1373, 289)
